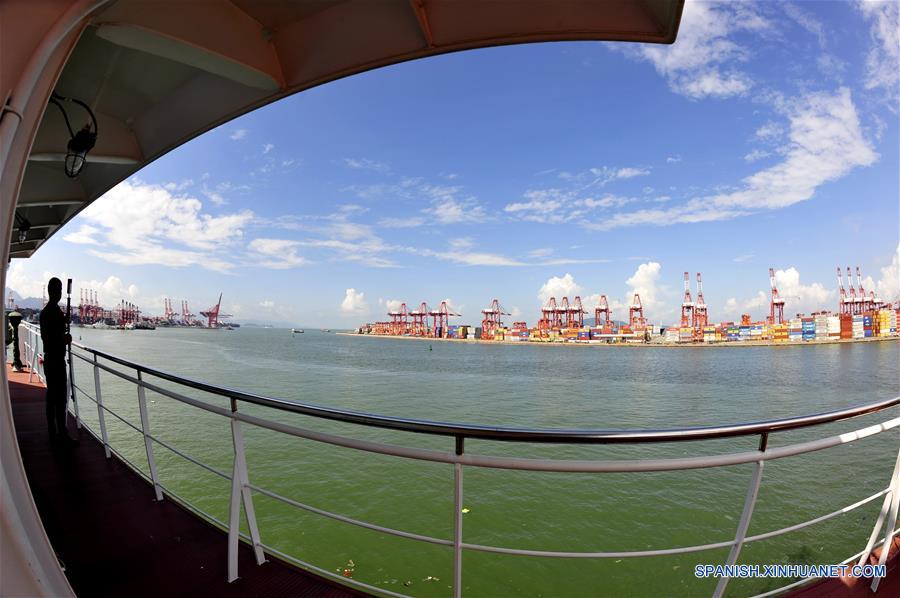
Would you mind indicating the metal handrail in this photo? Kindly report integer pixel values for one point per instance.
(242, 489)
(502, 433)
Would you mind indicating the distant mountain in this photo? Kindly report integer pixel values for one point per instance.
(25, 303)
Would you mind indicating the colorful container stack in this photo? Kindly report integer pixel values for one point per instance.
(795, 330)
(780, 333)
(757, 332)
(821, 327)
(685, 335)
(867, 325)
(846, 326)
(808, 328)
(671, 335)
(833, 327)
(858, 327)
(709, 334)
(733, 333)
(887, 322)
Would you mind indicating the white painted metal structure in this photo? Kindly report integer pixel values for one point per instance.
(242, 490)
(159, 72)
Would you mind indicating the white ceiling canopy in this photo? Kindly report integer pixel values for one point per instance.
(157, 74)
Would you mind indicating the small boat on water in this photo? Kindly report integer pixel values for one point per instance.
(326, 330)
(296, 331)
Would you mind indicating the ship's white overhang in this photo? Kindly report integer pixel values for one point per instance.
(158, 73)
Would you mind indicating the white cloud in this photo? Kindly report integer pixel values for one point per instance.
(825, 143)
(267, 304)
(889, 284)
(83, 236)
(366, 164)
(238, 134)
(448, 208)
(410, 222)
(807, 21)
(673, 159)
(883, 59)
(799, 297)
(142, 221)
(645, 282)
(277, 254)
(268, 148)
(756, 154)
(744, 258)
(559, 287)
(701, 63)
(354, 302)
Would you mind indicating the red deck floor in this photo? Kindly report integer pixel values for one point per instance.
(115, 540)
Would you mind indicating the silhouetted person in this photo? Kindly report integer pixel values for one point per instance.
(53, 334)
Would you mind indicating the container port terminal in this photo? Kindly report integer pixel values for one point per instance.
(861, 315)
(126, 315)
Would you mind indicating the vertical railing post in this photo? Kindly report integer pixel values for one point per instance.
(34, 358)
(888, 509)
(72, 393)
(240, 493)
(100, 414)
(457, 520)
(148, 442)
(746, 515)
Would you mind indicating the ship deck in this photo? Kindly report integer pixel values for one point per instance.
(114, 539)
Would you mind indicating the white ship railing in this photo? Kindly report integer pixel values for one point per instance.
(242, 490)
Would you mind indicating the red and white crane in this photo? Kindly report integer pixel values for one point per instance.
(186, 316)
(844, 306)
(776, 303)
(636, 313)
(549, 315)
(865, 302)
(440, 319)
(399, 320)
(419, 323)
(602, 309)
(854, 300)
(687, 304)
(701, 313)
(212, 314)
(492, 319)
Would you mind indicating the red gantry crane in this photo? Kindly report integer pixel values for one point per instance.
(419, 324)
(549, 315)
(492, 320)
(687, 304)
(701, 313)
(399, 320)
(865, 302)
(186, 316)
(776, 303)
(575, 314)
(636, 313)
(212, 314)
(844, 306)
(602, 309)
(854, 300)
(440, 319)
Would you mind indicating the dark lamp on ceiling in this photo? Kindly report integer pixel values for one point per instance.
(24, 226)
(80, 143)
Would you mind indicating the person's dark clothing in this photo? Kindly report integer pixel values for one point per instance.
(53, 335)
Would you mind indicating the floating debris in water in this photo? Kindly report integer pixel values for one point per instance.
(407, 583)
(465, 509)
(432, 578)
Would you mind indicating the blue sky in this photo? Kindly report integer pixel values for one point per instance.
(766, 136)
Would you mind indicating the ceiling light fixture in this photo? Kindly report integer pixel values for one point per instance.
(24, 226)
(80, 143)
